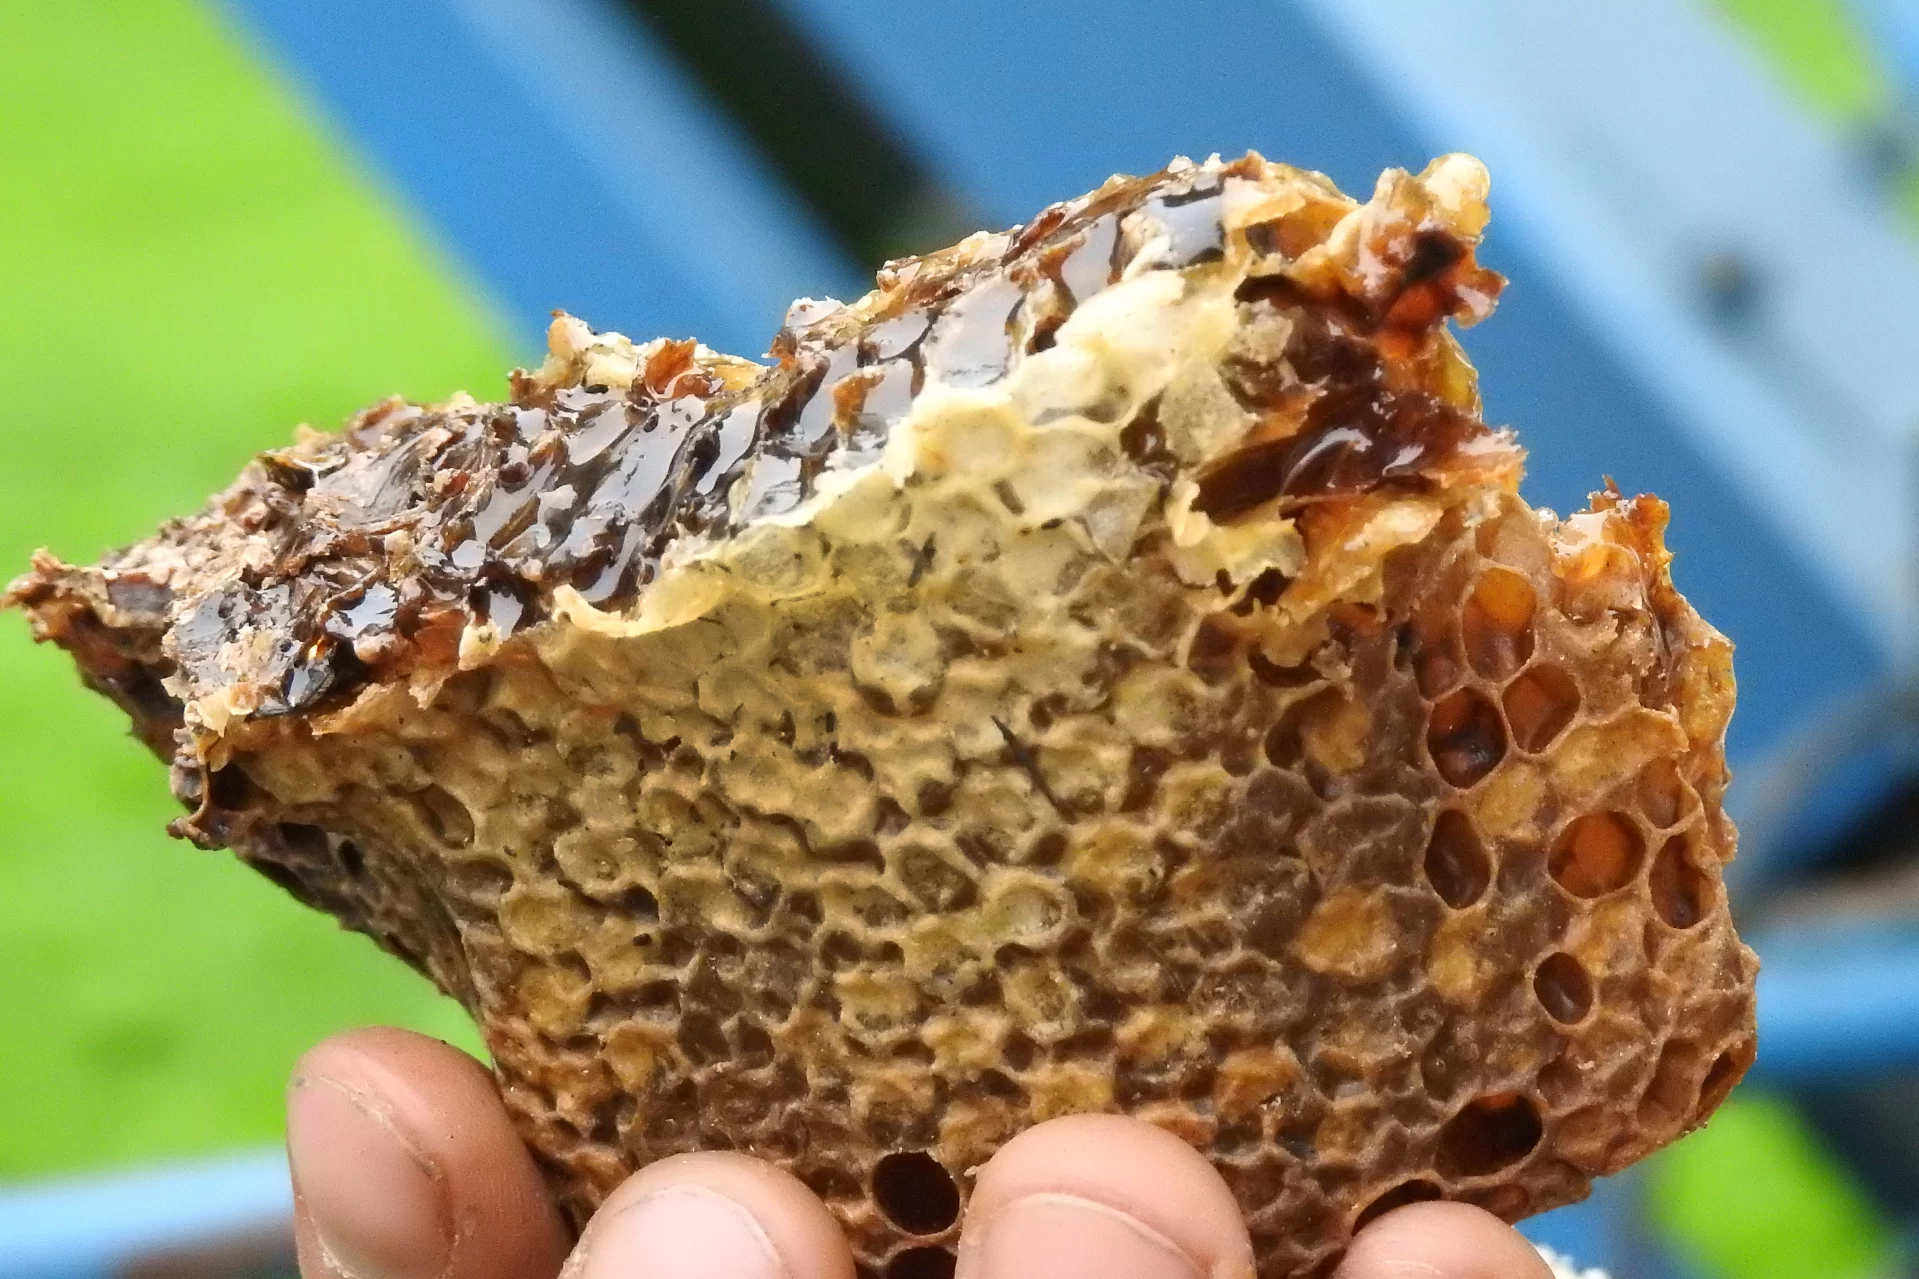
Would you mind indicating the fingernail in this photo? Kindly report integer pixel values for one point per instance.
(379, 1208)
(1067, 1237)
(681, 1232)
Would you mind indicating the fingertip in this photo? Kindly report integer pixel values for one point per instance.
(406, 1163)
(1098, 1195)
(1442, 1241)
(715, 1215)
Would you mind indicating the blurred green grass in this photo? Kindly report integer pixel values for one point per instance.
(1832, 65)
(1754, 1196)
(188, 268)
(1819, 52)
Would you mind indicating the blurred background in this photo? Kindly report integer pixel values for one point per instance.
(219, 218)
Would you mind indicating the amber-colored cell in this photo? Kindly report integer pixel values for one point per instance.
(1456, 862)
(1496, 624)
(310, 840)
(1465, 737)
(1726, 1070)
(445, 816)
(1488, 1134)
(1506, 1201)
(1563, 988)
(1433, 648)
(1673, 1091)
(1681, 892)
(1597, 854)
(1278, 676)
(1290, 738)
(1539, 703)
(915, 1193)
(1214, 651)
(1418, 1190)
(1662, 793)
(921, 1263)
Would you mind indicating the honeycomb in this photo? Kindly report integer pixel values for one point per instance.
(1107, 668)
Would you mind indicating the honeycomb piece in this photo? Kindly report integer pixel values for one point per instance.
(1108, 667)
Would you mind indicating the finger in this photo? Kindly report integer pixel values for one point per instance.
(1442, 1241)
(406, 1166)
(711, 1216)
(1102, 1197)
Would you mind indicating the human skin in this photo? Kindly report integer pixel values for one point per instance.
(406, 1166)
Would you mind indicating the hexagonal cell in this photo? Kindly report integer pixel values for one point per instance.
(1663, 794)
(935, 883)
(1488, 1134)
(1597, 854)
(1466, 737)
(1436, 665)
(1497, 623)
(921, 1263)
(1563, 989)
(1285, 742)
(1213, 654)
(1456, 862)
(1269, 672)
(1726, 1070)
(1673, 1092)
(1418, 1190)
(1681, 892)
(915, 1192)
(1539, 703)
(445, 816)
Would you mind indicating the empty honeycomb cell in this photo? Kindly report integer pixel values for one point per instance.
(1596, 854)
(921, 1263)
(1673, 1093)
(915, 1193)
(1418, 1190)
(934, 882)
(1681, 892)
(1563, 988)
(1271, 672)
(639, 904)
(1456, 863)
(1286, 741)
(1663, 794)
(1496, 624)
(1466, 737)
(1488, 1134)
(1540, 702)
(958, 721)
(1213, 654)
(311, 840)
(1724, 1072)
(1436, 666)
(1508, 1201)
(445, 816)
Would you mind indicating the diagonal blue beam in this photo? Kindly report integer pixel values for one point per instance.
(563, 158)
(1893, 26)
(1836, 1001)
(94, 1227)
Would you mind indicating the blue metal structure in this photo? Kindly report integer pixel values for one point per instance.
(91, 1227)
(1837, 1002)
(1894, 27)
(1700, 302)
(563, 159)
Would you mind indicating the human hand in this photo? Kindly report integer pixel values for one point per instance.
(406, 1166)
